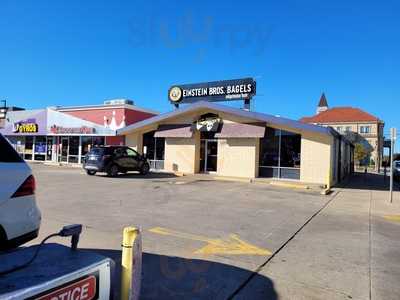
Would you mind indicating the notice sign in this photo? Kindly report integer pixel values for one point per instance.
(84, 289)
(226, 90)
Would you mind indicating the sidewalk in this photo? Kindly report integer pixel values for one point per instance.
(348, 251)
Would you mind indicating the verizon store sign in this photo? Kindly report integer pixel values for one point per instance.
(226, 90)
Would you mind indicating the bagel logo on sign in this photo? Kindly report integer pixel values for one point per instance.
(208, 123)
(175, 94)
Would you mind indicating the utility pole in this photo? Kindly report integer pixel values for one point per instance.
(393, 135)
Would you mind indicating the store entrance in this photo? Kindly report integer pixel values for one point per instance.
(64, 150)
(208, 155)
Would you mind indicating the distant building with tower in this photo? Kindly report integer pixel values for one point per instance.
(351, 119)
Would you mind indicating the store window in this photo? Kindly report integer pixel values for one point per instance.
(269, 153)
(7, 154)
(98, 141)
(20, 145)
(87, 144)
(154, 149)
(73, 151)
(49, 152)
(280, 154)
(40, 148)
(28, 151)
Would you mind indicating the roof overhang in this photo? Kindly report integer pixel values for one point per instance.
(174, 130)
(249, 116)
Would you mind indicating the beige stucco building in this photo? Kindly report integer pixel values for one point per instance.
(367, 127)
(211, 138)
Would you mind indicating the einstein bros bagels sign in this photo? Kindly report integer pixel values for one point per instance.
(226, 90)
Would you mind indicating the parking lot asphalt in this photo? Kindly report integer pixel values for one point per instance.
(214, 240)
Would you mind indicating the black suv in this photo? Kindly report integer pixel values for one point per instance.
(114, 159)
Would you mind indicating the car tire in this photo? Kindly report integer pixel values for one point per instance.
(145, 169)
(90, 172)
(112, 171)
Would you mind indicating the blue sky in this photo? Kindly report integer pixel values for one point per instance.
(82, 52)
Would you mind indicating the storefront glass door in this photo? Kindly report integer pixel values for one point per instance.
(208, 155)
(49, 150)
(73, 151)
(64, 149)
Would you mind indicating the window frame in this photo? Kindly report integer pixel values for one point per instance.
(279, 169)
(366, 129)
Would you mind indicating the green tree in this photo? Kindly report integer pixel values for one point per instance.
(360, 153)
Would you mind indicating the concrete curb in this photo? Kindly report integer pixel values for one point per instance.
(290, 185)
(179, 174)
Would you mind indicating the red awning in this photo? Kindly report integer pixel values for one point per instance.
(235, 130)
(174, 130)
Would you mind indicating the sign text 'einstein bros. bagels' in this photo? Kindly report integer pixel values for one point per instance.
(226, 90)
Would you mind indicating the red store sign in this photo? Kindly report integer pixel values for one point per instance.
(72, 130)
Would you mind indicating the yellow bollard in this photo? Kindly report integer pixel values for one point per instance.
(131, 264)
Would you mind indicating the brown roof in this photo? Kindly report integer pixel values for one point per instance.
(341, 114)
(174, 130)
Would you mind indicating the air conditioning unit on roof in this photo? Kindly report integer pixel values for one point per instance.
(118, 102)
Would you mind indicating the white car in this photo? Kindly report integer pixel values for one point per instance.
(19, 215)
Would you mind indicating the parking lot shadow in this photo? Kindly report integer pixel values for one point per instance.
(167, 277)
(369, 181)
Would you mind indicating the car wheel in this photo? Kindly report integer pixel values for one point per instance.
(90, 172)
(145, 169)
(112, 171)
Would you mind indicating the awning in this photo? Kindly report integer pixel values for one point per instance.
(235, 130)
(174, 130)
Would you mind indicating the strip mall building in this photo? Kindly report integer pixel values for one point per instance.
(205, 137)
(65, 134)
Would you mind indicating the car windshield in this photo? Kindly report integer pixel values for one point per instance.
(397, 165)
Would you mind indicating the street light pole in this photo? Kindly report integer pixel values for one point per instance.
(393, 133)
